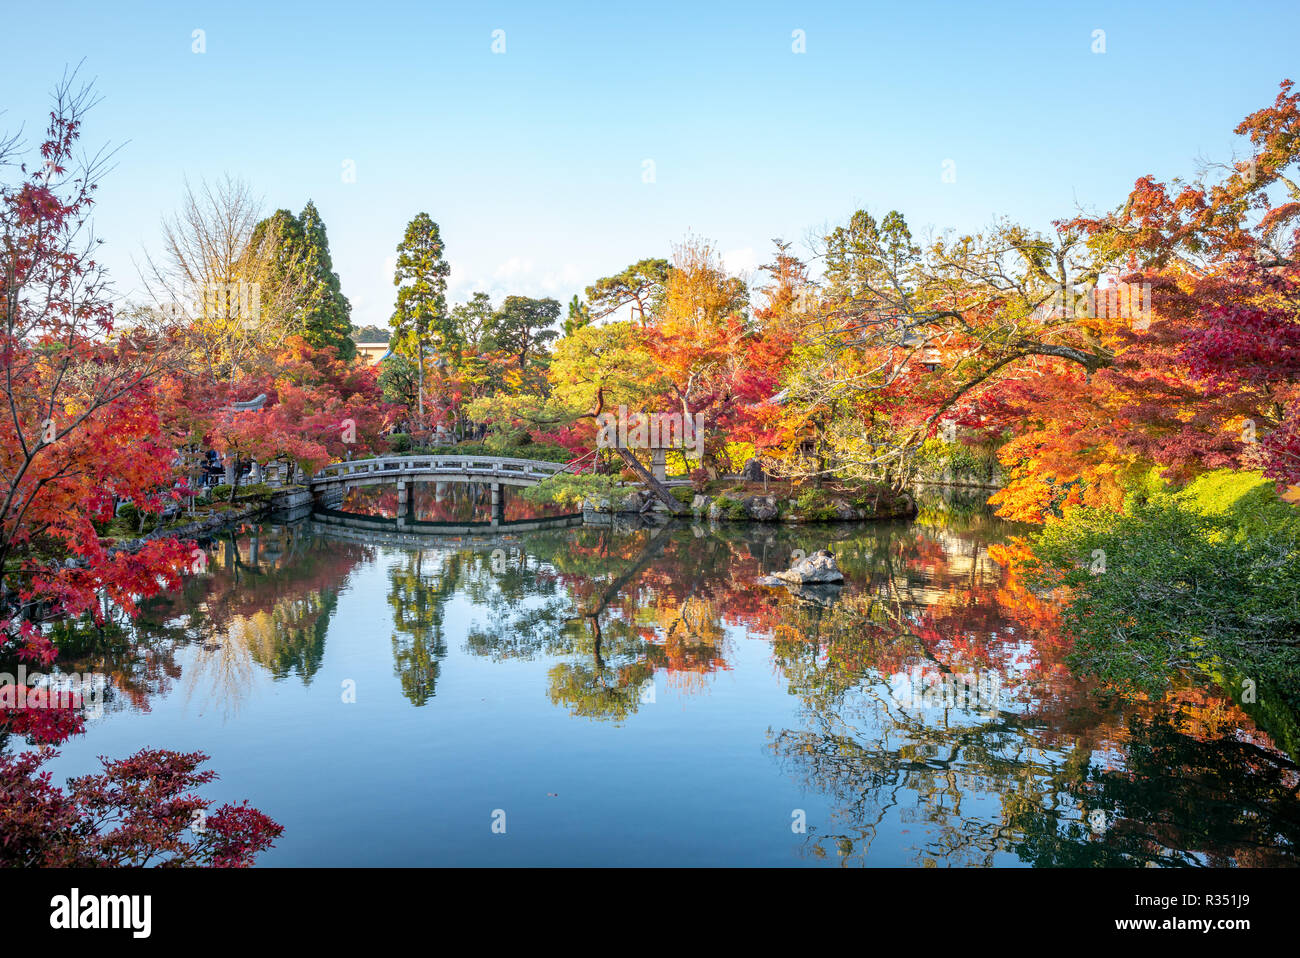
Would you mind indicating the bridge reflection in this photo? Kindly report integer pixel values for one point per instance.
(442, 507)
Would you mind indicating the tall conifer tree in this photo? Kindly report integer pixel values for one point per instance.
(421, 321)
(298, 277)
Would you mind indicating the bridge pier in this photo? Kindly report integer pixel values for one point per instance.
(498, 507)
(403, 503)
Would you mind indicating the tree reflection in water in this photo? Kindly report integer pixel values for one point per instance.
(419, 588)
(264, 599)
(598, 604)
(1058, 774)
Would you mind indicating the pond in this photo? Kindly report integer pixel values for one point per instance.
(611, 696)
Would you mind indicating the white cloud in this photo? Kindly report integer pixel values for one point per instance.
(514, 266)
(569, 277)
(740, 261)
(517, 276)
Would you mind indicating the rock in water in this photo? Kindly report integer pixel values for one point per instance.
(818, 567)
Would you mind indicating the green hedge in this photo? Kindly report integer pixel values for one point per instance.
(542, 451)
(1203, 581)
(257, 490)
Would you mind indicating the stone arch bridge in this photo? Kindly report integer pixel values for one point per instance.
(330, 484)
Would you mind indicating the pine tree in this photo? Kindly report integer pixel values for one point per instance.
(289, 256)
(579, 316)
(327, 314)
(523, 327)
(421, 322)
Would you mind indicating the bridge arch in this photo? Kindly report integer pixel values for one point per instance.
(333, 481)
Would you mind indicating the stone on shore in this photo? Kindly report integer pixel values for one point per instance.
(761, 508)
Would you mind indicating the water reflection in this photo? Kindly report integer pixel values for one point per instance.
(419, 588)
(1049, 773)
(264, 599)
(446, 502)
(608, 606)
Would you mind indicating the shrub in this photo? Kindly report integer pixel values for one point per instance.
(542, 451)
(811, 499)
(257, 490)
(977, 462)
(545, 452)
(1171, 588)
(815, 505)
(683, 494)
(730, 508)
(134, 521)
(140, 810)
(1247, 498)
(504, 438)
(568, 489)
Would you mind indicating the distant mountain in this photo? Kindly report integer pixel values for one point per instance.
(370, 334)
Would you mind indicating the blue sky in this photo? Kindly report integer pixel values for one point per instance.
(533, 160)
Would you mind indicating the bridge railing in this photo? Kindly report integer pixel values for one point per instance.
(398, 466)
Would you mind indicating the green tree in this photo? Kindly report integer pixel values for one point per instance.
(479, 366)
(293, 265)
(421, 322)
(399, 381)
(327, 314)
(475, 324)
(642, 284)
(579, 316)
(523, 326)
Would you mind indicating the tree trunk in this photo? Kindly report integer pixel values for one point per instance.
(658, 488)
(234, 484)
(420, 371)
